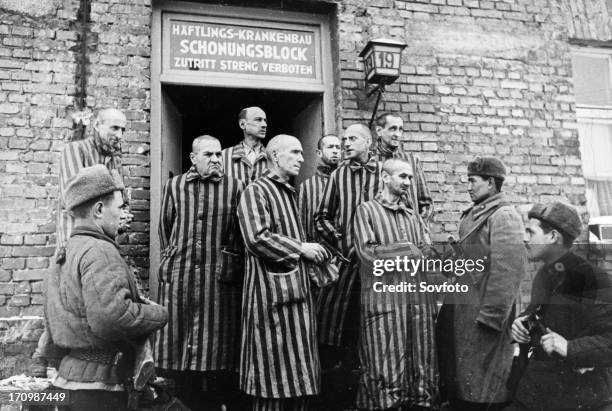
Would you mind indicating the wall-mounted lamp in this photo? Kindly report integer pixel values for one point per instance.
(381, 62)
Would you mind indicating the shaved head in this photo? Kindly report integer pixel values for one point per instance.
(360, 129)
(109, 126)
(285, 156)
(357, 140)
(393, 165)
(278, 143)
(397, 177)
(245, 111)
(201, 139)
(253, 122)
(108, 113)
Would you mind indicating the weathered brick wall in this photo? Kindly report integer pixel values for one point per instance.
(37, 85)
(41, 63)
(478, 77)
(481, 78)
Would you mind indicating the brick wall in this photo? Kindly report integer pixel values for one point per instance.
(478, 77)
(41, 86)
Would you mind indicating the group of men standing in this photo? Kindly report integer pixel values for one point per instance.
(243, 253)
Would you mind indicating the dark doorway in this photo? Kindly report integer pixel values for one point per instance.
(214, 111)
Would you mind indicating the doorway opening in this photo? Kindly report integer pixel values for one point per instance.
(191, 111)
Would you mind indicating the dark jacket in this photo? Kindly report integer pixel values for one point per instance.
(94, 310)
(573, 299)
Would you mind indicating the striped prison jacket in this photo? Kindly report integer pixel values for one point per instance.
(279, 357)
(396, 348)
(198, 221)
(349, 185)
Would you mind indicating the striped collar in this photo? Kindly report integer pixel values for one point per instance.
(99, 147)
(192, 174)
(384, 150)
(399, 206)
(324, 170)
(239, 152)
(277, 179)
(371, 165)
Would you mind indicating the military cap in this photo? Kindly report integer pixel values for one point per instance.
(89, 183)
(561, 216)
(487, 166)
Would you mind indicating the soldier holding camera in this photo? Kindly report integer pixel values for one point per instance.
(568, 324)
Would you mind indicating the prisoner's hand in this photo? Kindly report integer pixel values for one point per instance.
(519, 332)
(313, 252)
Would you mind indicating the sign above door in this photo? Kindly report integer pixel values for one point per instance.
(223, 47)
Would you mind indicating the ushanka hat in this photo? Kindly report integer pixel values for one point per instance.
(89, 183)
(561, 216)
(487, 166)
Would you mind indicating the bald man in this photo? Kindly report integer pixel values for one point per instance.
(356, 180)
(246, 161)
(103, 146)
(279, 362)
(396, 348)
(200, 278)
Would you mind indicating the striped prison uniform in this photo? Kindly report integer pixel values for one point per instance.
(197, 223)
(237, 164)
(75, 156)
(310, 192)
(396, 348)
(279, 356)
(349, 185)
(279, 404)
(419, 192)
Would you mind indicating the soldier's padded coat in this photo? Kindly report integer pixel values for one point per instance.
(93, 303)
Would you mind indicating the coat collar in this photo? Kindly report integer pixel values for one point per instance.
(323, 170)
(192, 174)
(370, 166)
(93, 231)
(487, 205)
(567, 262)
(399, 206)
(278, 180)
(240, 153)
(384, 150)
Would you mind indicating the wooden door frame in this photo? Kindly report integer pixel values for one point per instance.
(325, 86)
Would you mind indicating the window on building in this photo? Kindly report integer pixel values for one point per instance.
(592, 72)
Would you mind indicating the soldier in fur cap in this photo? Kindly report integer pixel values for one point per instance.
(568, 323)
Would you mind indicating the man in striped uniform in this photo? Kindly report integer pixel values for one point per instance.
(279, 362)
(200, 276)
(247, 160)
(357, 180)
(310, 191)
(103, 146)
(390, 129)
(396, 348)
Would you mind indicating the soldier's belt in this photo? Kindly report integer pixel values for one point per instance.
(106, 357)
